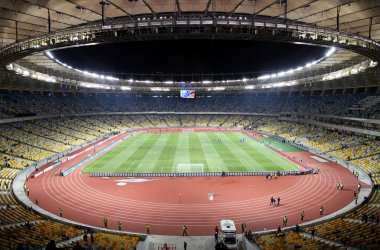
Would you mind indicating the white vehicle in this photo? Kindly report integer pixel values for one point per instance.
(228, 231)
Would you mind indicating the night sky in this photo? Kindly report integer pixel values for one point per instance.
(189, 57)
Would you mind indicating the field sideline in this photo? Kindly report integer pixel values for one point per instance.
(189, 152)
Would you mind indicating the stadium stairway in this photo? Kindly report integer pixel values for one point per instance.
(330, 242)
(63, 244)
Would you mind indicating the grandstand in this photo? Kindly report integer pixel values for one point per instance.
(98, 120)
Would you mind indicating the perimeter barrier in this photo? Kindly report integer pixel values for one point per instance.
(195, 174)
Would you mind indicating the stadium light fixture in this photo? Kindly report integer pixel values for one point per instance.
(25, 73)
(264, 77)
(159, 89)
(330, 52)
(291, 71)
(49, 54)
(218, 88)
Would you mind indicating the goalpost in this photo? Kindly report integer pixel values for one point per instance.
(190, 168)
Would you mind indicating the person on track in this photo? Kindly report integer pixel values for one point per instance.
(278, 201)
(321, 210)
(359, 187)
(105, 222)
(119, 224)
(184, 230)
(60, 212)
(216, 237)
(147, 229)
(302, 215)
(243, 226)
(285, 221)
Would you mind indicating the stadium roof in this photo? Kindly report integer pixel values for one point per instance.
(23, 19)
(31, 16)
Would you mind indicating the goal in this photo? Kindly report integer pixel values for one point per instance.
(190, 168)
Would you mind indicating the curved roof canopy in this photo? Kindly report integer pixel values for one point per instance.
(44, 25)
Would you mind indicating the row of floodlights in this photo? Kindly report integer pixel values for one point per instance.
(169, 82)
(291, 71)
(52, 79)
(164, 17)
(30, 73)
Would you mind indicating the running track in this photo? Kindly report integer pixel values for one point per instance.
(158, 203)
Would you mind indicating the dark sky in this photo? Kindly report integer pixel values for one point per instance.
(189, 57)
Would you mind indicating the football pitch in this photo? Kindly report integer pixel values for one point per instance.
(189, 152)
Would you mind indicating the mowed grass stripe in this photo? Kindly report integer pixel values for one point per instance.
(244, 151)
(125, 161)
(141, 151)
(213, 159)
(165, 161)
(182, 154)
(196, 152)
(262, 158)
(151, 153)
(267, 159)
(117, 160)
(230, 161)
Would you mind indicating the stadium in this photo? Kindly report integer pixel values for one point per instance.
(145, 124)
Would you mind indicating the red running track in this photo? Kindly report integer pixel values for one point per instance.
(158, 203)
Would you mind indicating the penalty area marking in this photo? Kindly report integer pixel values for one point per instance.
(190, 167)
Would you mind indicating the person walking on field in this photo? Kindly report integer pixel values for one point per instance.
(278, 201)
(184, 230)
(285, 221)
(302, 215)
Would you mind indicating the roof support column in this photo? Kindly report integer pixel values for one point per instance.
(16, 31)
(337, 18)
(103, 4)
(49, 21)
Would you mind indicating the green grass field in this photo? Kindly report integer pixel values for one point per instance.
(188, 152)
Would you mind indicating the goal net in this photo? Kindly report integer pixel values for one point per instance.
(190, 168)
